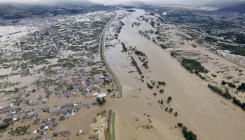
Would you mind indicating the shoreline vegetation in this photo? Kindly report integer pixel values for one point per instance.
(227, 95)
(195, 67)
(189, 135)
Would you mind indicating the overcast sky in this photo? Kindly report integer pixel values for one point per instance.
(186, 2)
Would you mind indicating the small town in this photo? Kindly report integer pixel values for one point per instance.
(52, 73)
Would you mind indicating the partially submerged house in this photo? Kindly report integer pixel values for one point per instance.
(89, 95)
(101, 95)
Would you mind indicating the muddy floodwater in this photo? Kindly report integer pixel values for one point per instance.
(57, 79)
(207, 114)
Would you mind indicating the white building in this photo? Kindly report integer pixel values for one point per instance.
(101, 95)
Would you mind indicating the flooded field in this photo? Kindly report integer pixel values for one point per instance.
(139, 113)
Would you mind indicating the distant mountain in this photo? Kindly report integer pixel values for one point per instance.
(136, 3)
(127, 4)
(54, 7)
(221, 4)
(17, 11)
(66, 3)
(234, 8)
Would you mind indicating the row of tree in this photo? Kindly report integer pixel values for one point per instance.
(241, 87)
(161, 83)
(163, 46)
(137, 52)
(189, 135)
(149, 86)
(225, 94)
(229, 83)
(238, 102)
(136, 65)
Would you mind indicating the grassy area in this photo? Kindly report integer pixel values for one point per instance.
(20, 130)
(110, 131)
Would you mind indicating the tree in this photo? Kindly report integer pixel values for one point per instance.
(99, 101)
(108, 90)
(4, 126)
(166, 109)
(223, 82)
(176, 114)
(161, 90)
(171, 109)
(180, 124)
(124, 47)
(16, 89)
(103, 100)
(169, 99)
(11, 122)
(163, 46)
(189, 135)
(161, 101)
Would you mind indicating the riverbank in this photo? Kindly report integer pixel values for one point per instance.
(103, 59)
(203, 112)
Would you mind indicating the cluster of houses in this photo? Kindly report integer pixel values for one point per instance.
(223, 52)
(40, 137)
(61, 112)
(237, 58)
(46, 124)
(101, 95)
(21, 97)
(82, 82)
(12, 114)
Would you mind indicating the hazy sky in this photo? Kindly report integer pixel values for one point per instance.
(147, 1)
